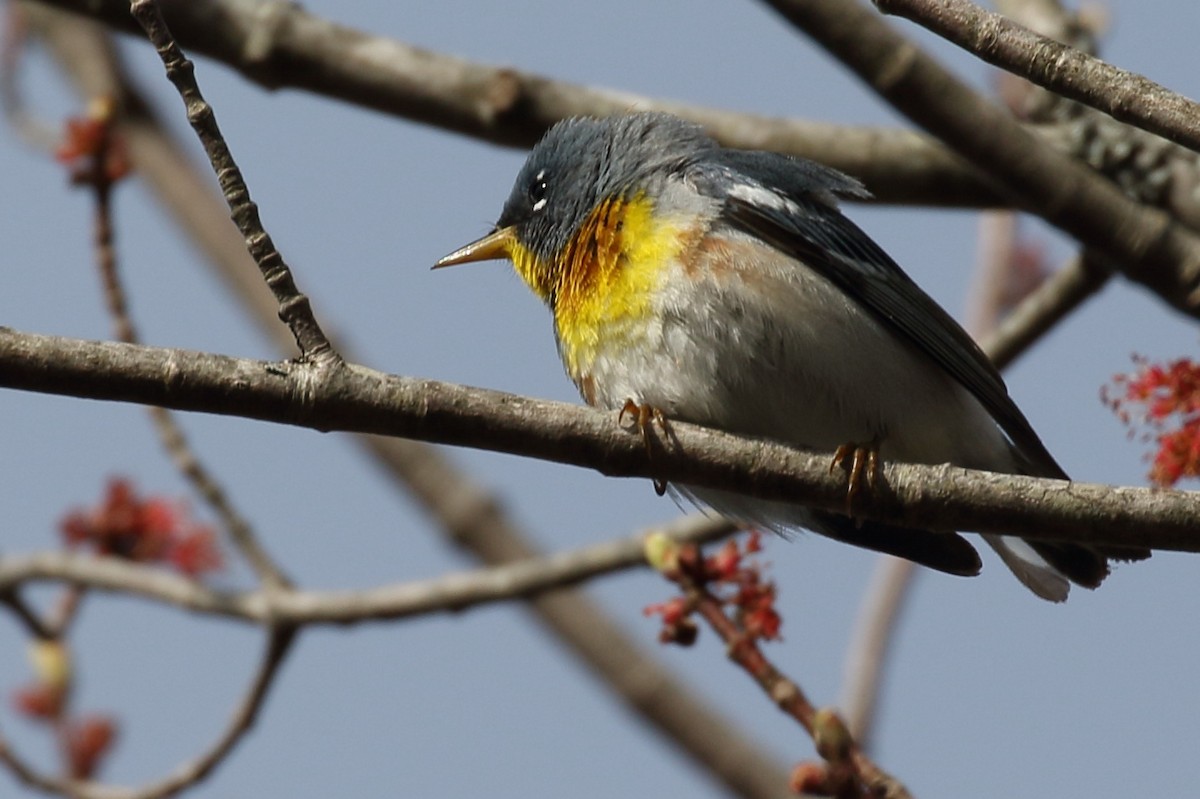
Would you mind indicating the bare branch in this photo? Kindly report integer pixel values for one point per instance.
(871, 639)
(294, 307)
(1145, 244)
(1062, 293)
(279, 642)
(1123, 95)
(34, 624)
(452, 593)
(280, 44)
(356, 399)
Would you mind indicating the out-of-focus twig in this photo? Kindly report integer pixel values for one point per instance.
(1004, 341)
(35, 131)
(99, 176)
(27, 616)
(278, 645)
(518, 579)
(871, 638)
(1063, 292)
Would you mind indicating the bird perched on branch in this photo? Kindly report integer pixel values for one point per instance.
(697, 283)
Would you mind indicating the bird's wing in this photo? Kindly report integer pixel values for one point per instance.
(789, 203)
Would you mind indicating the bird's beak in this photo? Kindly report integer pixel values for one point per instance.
(493, 246)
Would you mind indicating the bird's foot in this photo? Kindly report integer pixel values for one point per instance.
(646, 416)
(862, 462)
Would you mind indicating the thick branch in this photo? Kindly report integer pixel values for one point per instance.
(1144, 244)
(1123, 95)
(280, 45)
(356, 399)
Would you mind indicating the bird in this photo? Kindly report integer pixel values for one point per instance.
(693, 282)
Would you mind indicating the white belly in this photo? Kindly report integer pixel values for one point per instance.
(782, 354)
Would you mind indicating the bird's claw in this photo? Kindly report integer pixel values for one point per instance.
(864, 461)
(646, 416)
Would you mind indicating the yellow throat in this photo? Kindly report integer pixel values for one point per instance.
(600, 286)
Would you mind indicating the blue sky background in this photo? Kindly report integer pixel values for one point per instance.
(992, 693)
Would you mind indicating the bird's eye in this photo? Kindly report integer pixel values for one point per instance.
(537, 191)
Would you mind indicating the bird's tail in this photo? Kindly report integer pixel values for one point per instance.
(1048, 569)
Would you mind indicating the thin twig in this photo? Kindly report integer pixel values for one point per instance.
(744, 650)
(25, 614)
(453, 593)
(871, 640)
(1124, 95)
(170, 434)
(32, 129)
(28, 775)
(294, 307)
(1061, 293)
(279, 642)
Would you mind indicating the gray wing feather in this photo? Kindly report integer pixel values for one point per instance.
(810, 227)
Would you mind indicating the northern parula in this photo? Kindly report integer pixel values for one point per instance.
(725, 288)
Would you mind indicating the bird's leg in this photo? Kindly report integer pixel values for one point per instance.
(864, 461)
(646, 416)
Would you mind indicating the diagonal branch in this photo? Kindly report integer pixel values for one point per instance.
(279, 643)
(294, 307)
(892, 578)
(357, 399)
(1123, 95)
(1147, 245)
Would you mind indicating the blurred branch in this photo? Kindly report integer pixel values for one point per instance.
(1058, 296)
(1123, 95)
(100, 175)
(357, 399)
(452, 593)
(1145, 244)
(25, 614)
(279, 642)
(880, 610)
(280, 45)
(33, 130)
(892, 579)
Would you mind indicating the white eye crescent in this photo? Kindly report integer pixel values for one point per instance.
(537, 191)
